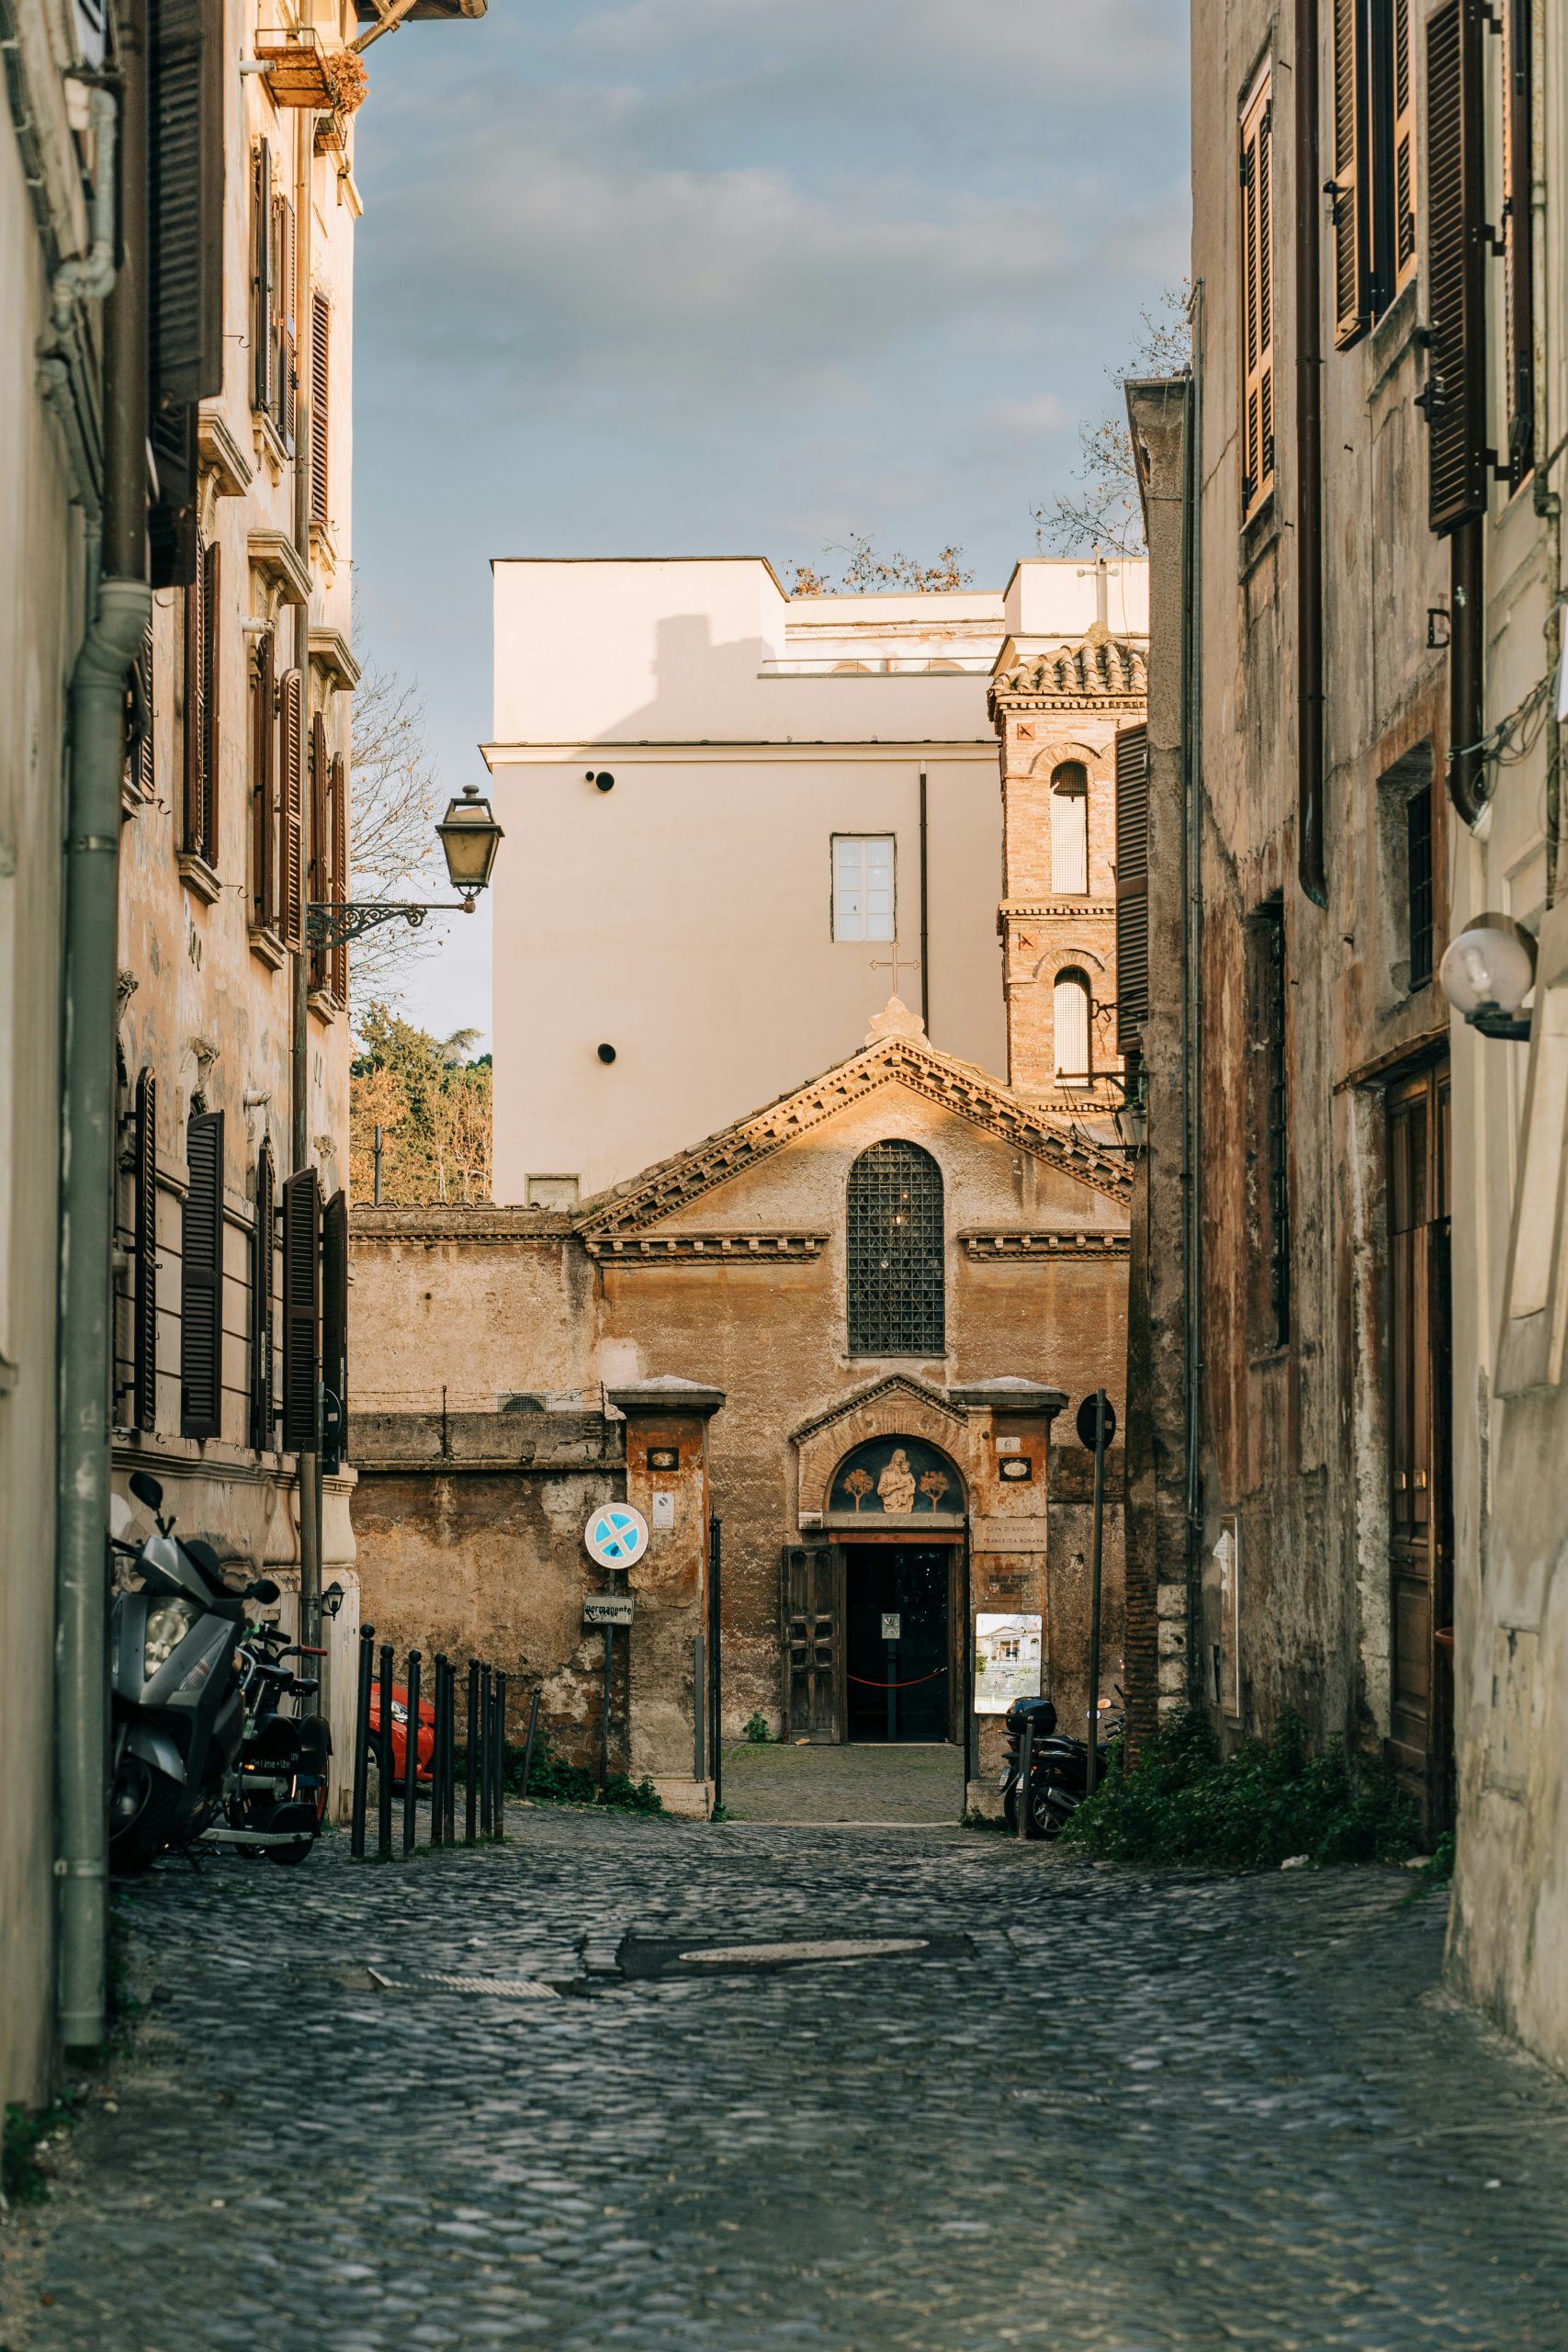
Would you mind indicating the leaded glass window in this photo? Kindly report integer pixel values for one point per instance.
(897, 1303)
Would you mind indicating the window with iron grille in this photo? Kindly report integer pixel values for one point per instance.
(1418, 876)
(897, 1298)
(1272, 1011)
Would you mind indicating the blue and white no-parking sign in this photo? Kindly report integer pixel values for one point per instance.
(617, 1535)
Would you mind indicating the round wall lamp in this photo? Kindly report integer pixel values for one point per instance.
(1486, 974)
(606, 1053)
(601, 777)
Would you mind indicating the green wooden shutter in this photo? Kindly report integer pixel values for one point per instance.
(202, 1279)
(185, 235)
(1132, 886)
(262, 1438)
(1455, 393)
(335, 1300)
(301, 1310)
(144, 1307)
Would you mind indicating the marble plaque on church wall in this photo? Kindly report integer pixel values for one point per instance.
(1009, 1535)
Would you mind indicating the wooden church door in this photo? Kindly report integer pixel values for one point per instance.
(811, 1619)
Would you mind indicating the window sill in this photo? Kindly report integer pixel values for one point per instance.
(323, 1004)
(199, 878)
(1393, 336)
(1258, 533)
(270, 443)
(266, 946)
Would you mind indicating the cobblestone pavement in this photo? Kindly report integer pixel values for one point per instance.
(1125, 2115)
(849, 1783)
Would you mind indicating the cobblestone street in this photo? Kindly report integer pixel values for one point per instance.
(1106, 2114)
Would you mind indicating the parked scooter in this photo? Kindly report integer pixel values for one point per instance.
(178, 1709)
(1058, 1768)
(279, 1780)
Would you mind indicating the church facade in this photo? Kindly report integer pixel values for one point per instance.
(831, 1351)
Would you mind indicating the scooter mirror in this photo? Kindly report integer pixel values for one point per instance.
(146, 1489)
(265, 1591)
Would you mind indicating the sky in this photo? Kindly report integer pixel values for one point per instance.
(734, 277)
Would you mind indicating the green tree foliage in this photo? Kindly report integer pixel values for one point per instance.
(431, 1098)
(1185, 1804)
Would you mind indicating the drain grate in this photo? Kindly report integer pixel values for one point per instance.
(510, 1988)
(641, 1958)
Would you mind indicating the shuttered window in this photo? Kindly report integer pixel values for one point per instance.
(262, 1327)
(185, 240)
(1402, 79)
(1131, 886)
(1352, 308)
(202, 1279)
(321, 390)
(264, 784)
(1455, 393)
(291, 816)
(262, 343)
(139, 777)
(145, 1294)
(301, 1310)
(1257, 301)
(203, 608)
(338, 796)
(334, 1298)
(286, 361)
(1518, 230)
(318, 867)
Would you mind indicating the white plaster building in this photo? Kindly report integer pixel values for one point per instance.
(735, 819)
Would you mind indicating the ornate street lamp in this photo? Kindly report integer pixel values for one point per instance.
(1487, 973)
(469, 836)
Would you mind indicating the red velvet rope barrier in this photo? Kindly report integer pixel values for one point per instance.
(913, 1684)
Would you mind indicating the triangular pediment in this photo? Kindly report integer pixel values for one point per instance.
(879, 1392)
(891, 1061)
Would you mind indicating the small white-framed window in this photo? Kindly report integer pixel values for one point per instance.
(1070, 1006)
(1069, 829)
(863, 904)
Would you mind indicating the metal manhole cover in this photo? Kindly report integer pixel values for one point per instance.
(643, 1957)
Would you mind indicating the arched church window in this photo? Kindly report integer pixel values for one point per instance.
(896, 1302)
(1069, 828)
(1074, 1067)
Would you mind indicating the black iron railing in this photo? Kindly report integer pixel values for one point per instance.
(466, 1743)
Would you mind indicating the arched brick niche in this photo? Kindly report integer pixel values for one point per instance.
(897, 1406)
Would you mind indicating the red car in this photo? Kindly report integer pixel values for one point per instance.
(401, 1729)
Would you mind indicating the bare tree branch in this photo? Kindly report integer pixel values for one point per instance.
(393, 851)
(865, 573)
(1103, 510)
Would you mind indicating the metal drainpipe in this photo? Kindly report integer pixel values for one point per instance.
(1548, 502)
(1309, 866)
(110, 644)
(925, 925)
(1191, 992)
(310, 1464)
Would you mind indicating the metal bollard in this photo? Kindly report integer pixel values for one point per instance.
(528, 1743)
(487, 1743)
(437, 1800)
(384, 1756)
(410, 1759)
(498, 1823)
(449, 1764)
(1025, 1777)
(470, 1787)
(361, 1741)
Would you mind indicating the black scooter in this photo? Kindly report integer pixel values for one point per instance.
(178, 1709)
(279, 1780)
(1058, 1767)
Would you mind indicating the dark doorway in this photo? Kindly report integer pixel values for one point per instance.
(1421, 1509)
(897, 1618)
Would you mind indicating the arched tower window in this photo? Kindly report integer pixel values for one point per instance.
(1073, 1065)
(896, 1305)
(1069, 828)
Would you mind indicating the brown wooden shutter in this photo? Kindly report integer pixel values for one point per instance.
(261, 276)
(1455, 393)
(196, 724)
(1402, 93)
(211, 674)
(319, 845)
(288, 358)
(1351, 254)
(338, 794)
(1518, 233)
(320, 340)
(291, 911)
(140, 769)
(1132, 886)
(301, 1310)
(185, 237)
(202, 1279)
(1258, 301)
(261, 1301)
(334, 1298)
(263, 785)
(144, 1307)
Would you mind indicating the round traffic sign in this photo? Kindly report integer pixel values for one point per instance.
(1086, 1423)
(617, 1535)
